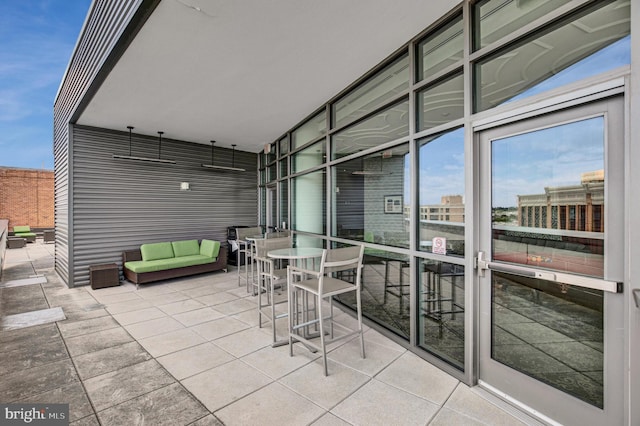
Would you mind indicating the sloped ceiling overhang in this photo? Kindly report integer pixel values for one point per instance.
(244, 72)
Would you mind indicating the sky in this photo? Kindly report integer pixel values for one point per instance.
(37, 38)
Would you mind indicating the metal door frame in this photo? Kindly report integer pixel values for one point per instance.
(542, 400)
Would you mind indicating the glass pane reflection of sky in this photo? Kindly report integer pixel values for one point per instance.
(441, 167)
(557, 156)
(611, 57)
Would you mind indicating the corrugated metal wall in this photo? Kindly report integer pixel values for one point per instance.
(103, 28)
(119, 204)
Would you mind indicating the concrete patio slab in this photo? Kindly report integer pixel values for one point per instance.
(110, 389)
(233, 380)
(285, 408)
(169, 405)
(97, 341)
(21, 384)
(38, 353)
(366, 406)
(326, 391)
(94, 364)
(32, 318)
(25, 281)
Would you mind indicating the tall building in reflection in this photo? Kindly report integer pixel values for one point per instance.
(573, 207)
(450, 209)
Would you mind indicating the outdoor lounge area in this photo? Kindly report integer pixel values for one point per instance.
(466, 145)
(189, 351)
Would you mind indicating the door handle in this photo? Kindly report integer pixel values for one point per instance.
(560, 277)
(636, 297)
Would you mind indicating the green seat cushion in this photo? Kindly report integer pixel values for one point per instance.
(196, 259)
(210, 248)
(156, 251)
(17, 229)
(141, 266)
(185, 248)
(24, 234)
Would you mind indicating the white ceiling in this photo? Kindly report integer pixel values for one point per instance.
(244, 72)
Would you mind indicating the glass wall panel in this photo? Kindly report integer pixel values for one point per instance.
(591, 44)
(310, 130)
(441, 196)
(385, 290)
(494, 19)
(263, 206)
(284, 205)
(284, 146)
(441, 103)
(385, 126)
(309, 202)
(440, 50)
(441, 306)
(270, 157)
(284, 170)
(387, 84)
(371, 193)
(310, 157)
(272, 173)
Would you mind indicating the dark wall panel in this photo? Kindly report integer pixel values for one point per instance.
(119, 204)
(105, 24)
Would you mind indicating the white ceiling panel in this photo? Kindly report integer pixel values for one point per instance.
(244, 72)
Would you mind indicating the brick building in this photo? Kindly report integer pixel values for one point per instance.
(26, 197)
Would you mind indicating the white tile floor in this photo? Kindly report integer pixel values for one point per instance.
(204, 331)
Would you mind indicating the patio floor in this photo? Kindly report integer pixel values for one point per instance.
(189, 352)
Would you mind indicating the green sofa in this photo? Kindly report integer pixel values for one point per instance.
(165, 260)
(24, 232)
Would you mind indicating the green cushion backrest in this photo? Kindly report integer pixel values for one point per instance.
(185, 248)
(210, 248)
(155, 251)
(22, 229)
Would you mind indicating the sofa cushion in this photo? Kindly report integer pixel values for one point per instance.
(141, 266)
(185, 248)
(155, 251)
(17, 229)
(210, 248)
(24, 234)
(196, 259)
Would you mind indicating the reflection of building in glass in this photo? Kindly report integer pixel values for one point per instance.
(573, 207)
(450, 209)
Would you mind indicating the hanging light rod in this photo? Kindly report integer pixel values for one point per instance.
(145, 159)
(369, 173)
(233, 168)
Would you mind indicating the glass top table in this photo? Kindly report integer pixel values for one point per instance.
(295, 253)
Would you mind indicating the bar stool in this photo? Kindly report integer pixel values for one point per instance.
(245, 248)
(322, 285)
(272, 274)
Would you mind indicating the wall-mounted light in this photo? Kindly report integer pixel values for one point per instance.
(184, 186)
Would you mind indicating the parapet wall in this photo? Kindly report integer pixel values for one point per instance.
(26, 197)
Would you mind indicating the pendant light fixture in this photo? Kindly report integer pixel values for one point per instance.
(233, 161)
(146, 159)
